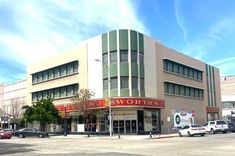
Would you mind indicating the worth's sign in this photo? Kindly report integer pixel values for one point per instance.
(119, 102)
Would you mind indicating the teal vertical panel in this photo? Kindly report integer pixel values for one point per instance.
(114, 93)
(105, 72)
(104, 43)
(134, 40)
(141, 42)
(124, 69)
(134, 69)
(124, 93)
(113, 40)
(123, 39)
(141, 71)
(113, 70)
(135, 93)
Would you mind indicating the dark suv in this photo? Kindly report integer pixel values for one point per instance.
(30, 132)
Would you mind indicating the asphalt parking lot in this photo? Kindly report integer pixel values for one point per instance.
(210, 145)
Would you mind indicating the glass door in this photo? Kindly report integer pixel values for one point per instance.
(133, 126)
(128, 126)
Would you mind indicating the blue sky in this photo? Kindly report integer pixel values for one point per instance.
(32, 30)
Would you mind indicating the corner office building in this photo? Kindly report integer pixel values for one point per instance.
(147, 82)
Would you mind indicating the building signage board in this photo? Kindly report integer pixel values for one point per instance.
(124, 115)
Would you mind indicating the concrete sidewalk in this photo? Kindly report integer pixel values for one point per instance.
(125, 137)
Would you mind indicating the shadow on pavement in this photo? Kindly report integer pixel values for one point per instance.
(12, 148)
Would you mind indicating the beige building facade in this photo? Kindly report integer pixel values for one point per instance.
(228, 97)
(12, 99)
(152, 87)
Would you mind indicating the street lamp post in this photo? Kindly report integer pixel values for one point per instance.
(110, 101)
(65, 122)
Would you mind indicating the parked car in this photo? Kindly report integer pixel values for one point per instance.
(216, 126)
(30, 132)
(191, 130)
(5, 135)
(9, 130)
(231, 126)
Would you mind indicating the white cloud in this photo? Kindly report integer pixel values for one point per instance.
(180, 20)
(48, 27)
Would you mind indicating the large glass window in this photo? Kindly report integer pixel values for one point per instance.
(114, 84)
(51, 93)
(141, 55)
(70, 90)
(141, 84)
(133, 56)
(51, 74)
(75, 66)
(171, 88)
(45, 76)
(57, 72)
(40, 77)
(124, 82)
(105, 84)
(63, 92)
(170, 66)
(56, 93)
(113, 57)
(35, 78)
(34, 97)
(123, 56)
(134, 83)
(69, 68)
(105, 58)
(63, 70)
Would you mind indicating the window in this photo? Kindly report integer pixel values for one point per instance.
(170, 66)
(181, 70)
(63, 92)
(200, 75)
(113, 83)
(133, 56)
(39, 95)
(40, 77)
(191, 72)
(166, 88)
(186, 71)
(34, 97)
(177, 89)
(51, 74)
(75, 66)
(171, 88)
(124, 82)
(134, 83)
(113, 57)
(105, 84)
(176, 68)
(45, 76)
(69, 68)
(105, 58)
(187, 92)
(44, 94)
(63, 70)
(192, 92)
(34, 77)
(123, 56)
(51, 93)
(182, 92)
(57, 72)
(141, 55)
(56, 93)
(69, 90)
(195, 75)
(141, 84)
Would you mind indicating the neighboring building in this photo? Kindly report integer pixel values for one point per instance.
(153, 88)
(13, 99)
(228, 97)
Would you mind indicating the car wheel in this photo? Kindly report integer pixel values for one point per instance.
(40, 135)
(212, 131)
(21, 135)
(224, 132)
(202, 134)
(180, 134)
(189, 134)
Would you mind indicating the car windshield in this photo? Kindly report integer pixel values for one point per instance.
(221, 122)
(196, 126)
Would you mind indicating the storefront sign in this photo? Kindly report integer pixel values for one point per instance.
(119, 102)
(212, 109)
(124, 115)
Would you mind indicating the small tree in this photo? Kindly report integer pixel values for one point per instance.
(85, 107)
(42, 111)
